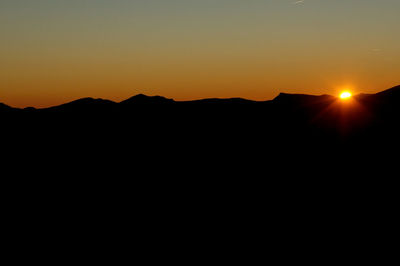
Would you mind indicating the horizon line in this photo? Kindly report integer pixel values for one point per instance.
(183, 101)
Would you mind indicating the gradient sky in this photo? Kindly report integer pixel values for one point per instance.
(53, 51)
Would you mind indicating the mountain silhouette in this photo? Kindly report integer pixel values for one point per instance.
(155, 126)
(283, 100)
(143, 99)
(151, 149)
(84, 104)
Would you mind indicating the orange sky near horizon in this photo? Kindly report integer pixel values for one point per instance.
(57, 51)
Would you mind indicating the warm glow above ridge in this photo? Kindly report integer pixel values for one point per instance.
(345, 95)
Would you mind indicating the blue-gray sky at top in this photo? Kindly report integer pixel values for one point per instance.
(56, 50)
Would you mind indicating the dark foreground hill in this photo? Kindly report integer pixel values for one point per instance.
(220, 173)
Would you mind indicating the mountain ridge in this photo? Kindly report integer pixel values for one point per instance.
(143, 99)
(156, 127)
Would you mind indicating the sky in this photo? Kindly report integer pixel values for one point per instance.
(54, 51)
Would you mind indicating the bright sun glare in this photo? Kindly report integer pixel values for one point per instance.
(345, 95)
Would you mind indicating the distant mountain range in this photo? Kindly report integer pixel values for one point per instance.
(234, 147)
(390, 95)
(290, 121)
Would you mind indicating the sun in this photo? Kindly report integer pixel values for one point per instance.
(345, 95)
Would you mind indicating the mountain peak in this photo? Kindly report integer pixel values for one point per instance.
(83, 103)
(90, 100)
(144, 99)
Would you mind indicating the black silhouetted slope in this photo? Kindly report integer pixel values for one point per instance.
(385, 104)
(393, 92)
(5, 108)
